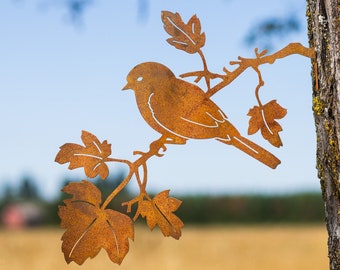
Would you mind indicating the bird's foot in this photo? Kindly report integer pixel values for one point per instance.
(156, 146)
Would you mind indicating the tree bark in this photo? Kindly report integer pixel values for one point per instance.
(324, 36)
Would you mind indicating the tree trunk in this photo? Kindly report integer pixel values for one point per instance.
(324, 36)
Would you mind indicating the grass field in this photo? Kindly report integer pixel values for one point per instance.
(267, 247)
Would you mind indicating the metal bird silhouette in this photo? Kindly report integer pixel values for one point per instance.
(180, 111)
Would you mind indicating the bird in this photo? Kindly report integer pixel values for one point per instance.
(180, 110)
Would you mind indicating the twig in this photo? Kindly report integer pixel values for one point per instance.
(244, 63)
(155, 147)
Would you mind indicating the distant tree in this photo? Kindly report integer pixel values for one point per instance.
(28, 190)
(76, 8)
(263, 34)
(7, 194)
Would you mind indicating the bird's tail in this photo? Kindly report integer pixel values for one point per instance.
(254, 150)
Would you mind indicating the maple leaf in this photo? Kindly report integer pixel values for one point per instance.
(186, 37)
(263, 118)
(90, 228)
(159, 212)
(92, 156)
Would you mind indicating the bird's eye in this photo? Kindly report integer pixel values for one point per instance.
(139, 79)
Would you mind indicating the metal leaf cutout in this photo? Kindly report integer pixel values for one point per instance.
(91, 157)
(179, 111)
(186, 37)
(263, 118)
(90, 228)
(159, 211)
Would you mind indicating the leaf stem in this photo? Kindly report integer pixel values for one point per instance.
(260, 84)
(155, 147)
(118, 189)
(118, 160)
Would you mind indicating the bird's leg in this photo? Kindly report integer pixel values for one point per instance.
(157, 145)
(175, 140)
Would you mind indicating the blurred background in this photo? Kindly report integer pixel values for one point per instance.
(63, 64)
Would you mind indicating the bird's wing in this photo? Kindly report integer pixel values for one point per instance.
(205, 119)
(186, 112)
(198, 109)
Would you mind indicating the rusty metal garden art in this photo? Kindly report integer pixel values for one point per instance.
(179, 111)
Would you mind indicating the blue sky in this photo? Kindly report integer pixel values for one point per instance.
(57, 80)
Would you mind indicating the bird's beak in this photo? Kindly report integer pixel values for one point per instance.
(127, 86)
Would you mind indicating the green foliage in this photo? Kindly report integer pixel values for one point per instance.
(27, 190)
(306, 207)
(295, 208)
